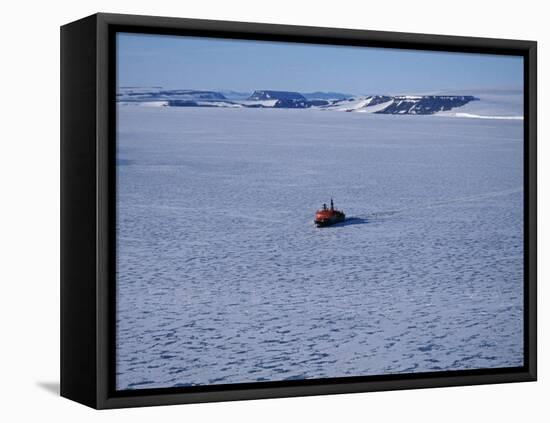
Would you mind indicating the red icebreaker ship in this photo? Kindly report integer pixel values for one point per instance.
(327, 217)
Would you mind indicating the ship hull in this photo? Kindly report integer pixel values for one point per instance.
(329, 221)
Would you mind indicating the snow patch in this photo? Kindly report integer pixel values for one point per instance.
(470, 115)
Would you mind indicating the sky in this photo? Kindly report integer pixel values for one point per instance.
(207, 63)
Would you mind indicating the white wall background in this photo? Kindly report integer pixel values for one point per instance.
(29, 183)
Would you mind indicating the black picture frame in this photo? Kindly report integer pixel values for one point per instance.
(87, 209)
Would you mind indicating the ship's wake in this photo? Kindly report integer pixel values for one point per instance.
(381, 215)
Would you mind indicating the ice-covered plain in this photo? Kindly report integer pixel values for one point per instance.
(223, 278)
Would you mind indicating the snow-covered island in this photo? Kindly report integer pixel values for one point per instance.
(382, 104)
(483, 105)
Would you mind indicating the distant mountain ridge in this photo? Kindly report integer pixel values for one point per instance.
(379, 104)
(142, 94)
(330, 95)
(277, 95)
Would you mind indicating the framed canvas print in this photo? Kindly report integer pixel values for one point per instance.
(255, 211)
